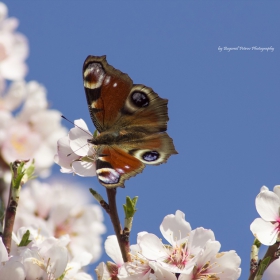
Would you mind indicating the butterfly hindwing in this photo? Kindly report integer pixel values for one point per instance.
(117, 163)
(114, 165)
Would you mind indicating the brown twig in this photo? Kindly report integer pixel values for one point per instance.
(10, 213)
(272, 253)
(121, 236)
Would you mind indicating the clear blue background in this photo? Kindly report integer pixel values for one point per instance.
(223, 106)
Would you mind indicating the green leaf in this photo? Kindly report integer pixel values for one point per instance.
(16, 179)
(62, 276)
(257, 243)
(263, 266)
(25, 239)
(96, 195)
(30, 171)
(95, 134)
(130, 207)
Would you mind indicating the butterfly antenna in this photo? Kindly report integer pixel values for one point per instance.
(76, 150)
(76, 125)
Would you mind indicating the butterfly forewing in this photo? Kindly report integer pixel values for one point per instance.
(106, 91)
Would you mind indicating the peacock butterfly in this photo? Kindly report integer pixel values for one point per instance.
(131, 120)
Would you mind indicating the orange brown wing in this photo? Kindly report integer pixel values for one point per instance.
(106, 91)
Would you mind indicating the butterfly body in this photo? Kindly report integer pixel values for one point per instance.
(131, 121)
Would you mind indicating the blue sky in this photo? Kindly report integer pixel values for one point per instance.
(223, 106)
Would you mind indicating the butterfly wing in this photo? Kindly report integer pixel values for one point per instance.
(115, 103)
(114, 165)
(117, 163)
(106, 91)
(132, 120)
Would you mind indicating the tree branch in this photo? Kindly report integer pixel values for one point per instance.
(122, 236)
(257, 269)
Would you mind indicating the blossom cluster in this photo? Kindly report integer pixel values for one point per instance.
(28, 128)
(57, 231)
(191, 254)
(65, 234)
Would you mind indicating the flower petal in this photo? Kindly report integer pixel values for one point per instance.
(113, 250)
(161, 273)
(267, 205)
(175, 228)
(3, 252)
(264, 231)
(276, 190)
(84, 168)
(152, 247)
(79, 141)
(198, 239)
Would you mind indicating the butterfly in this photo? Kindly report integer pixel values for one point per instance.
(131, 120)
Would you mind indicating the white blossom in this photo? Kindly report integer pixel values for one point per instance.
(267, 228)
(13, 48)
(32, 132)
(59, 209)
(192, 254)
(44, 257)
(74, 153)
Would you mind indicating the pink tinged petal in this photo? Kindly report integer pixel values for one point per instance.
(161, 273)
(3, 252)
(13, 269)
(84, 169)
(267, 204)
(152, 247)
(198, 239)
(264, 231)
(175, 228)
(113, 250)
